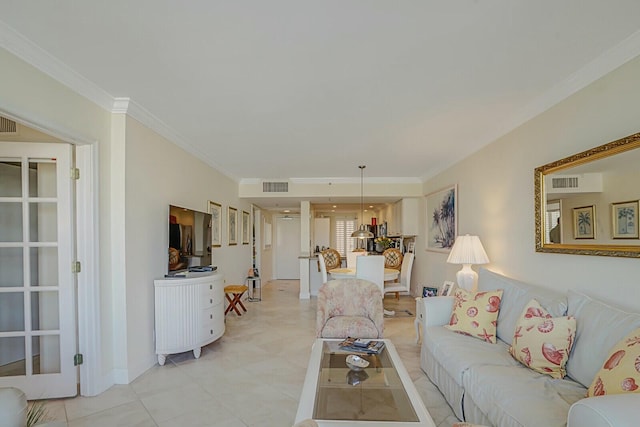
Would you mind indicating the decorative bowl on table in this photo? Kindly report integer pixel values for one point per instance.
(356, 363)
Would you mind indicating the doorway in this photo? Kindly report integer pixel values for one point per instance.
(37, 285)
(287, 247)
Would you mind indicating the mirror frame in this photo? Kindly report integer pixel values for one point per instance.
(622, 145)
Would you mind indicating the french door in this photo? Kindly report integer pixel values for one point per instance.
(37, 286)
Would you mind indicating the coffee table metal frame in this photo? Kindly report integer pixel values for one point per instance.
(309, 398)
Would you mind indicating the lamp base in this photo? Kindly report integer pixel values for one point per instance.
(467, 278)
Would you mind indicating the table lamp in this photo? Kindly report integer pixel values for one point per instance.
(467, 250)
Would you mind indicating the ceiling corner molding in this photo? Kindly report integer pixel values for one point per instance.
(599, 67)
(120, 105)
(31, 53)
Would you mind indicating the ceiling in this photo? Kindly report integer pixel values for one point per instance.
(280, 89)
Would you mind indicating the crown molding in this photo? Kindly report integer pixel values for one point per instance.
(611, 59)
(34, 55)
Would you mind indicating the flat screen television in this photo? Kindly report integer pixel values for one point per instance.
(189, 239)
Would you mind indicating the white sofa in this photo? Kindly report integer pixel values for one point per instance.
(13, 409)
(485, 385)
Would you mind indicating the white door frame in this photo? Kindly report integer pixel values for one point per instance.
(87, 248)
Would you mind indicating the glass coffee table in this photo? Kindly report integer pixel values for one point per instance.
(381, 394)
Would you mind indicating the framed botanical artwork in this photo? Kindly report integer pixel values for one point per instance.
(584, 222)
(442, 219)
(215, 210)
(232, 225)
(245, 227)
(447, 289)
(624, 218)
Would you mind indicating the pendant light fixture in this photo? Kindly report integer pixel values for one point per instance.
(362, 232)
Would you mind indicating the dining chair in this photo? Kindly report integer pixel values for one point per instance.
(323, 268)
(405, 277)
(392, 258)
(351, 258)
(331, 258)
(371, 267)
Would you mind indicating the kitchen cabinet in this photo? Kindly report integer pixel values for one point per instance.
(322, 232)
(404, 218)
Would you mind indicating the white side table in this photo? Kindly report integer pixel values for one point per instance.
(419, 318)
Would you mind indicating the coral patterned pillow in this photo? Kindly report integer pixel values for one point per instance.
(621, 372)
(541, 342)
(476, 314)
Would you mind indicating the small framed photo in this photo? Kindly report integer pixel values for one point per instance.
(429, 292)
(232, 225)
(624, 218)
(447, 289)
(584, 221)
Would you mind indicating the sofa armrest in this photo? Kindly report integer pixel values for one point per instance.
(437, 310)
(615, 410)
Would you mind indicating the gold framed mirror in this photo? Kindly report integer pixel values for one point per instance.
(587, 204)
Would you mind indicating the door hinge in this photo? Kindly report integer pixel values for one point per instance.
(75, 173)
(77, 359)
(76, 267)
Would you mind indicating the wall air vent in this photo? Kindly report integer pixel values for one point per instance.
(8, 127)
(565, 182)
(577, 183)
(275, 187)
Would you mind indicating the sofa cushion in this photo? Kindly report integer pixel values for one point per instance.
(599, 327)
(621, 371)
(515, 296)
(452, 351)
(542, 342)
(516, 396)
(476, 314)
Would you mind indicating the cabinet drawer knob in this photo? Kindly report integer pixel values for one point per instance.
(210, 301)
(211, 316)
(211, 331)
(210, 286)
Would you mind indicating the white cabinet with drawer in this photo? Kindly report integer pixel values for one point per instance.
(189, 313)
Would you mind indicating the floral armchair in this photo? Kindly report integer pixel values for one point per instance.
(349, 308)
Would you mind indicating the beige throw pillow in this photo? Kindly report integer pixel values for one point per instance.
(476, 314)
(542, 342)
(621, 371)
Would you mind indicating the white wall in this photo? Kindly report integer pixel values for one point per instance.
(159, 173)
(495, 193)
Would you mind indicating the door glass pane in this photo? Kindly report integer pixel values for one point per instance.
(42, 178)
(11, 272)
(10, 221)
(11, 311)
(12, 357)
(43, 222)
(10, 178)
(44, 266)
(46, 354)
(44, 311)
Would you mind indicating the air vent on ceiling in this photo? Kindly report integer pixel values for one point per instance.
(275, 187)
(8, 126)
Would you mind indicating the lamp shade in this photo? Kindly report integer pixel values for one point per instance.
(467, 250)
(362, 233)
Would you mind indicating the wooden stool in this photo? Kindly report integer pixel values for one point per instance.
(237, 291)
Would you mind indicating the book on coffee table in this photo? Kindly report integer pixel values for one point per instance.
(362, 345)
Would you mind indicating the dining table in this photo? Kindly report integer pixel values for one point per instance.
(390, 274)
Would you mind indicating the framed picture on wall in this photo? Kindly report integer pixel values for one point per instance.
(624, 218)
(584, 222)
(245, 227)
(442, 219)
(232, 226)
(215, 210)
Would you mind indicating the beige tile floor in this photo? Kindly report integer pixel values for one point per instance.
(252, 376)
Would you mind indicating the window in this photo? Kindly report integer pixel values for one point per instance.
(344, 242)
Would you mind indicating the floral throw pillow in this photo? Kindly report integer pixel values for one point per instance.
(621, 372)
(476, 314)
(542, 342)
